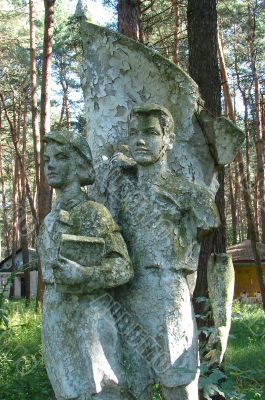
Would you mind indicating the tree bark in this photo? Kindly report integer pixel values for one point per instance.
(175, 7)
(34, 100)
(259, 142)
(44, 201)
(233, 206)
(45, 197)
(203, 68)
(23, 218)
(238, 204)
(4, 206)
(65, 88)
(14, 127)
(203, 62)
(129, 19)
(14, 226)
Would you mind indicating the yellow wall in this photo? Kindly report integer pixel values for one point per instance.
(246, 279)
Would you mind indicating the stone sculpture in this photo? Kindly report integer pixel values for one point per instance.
(161, 189)
(162, 216)
(82, 255)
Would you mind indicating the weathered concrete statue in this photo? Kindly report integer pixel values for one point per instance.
(162, 216)
(162, 194)
(82, 255)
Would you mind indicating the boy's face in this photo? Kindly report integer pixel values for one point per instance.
(146, 139)
(59, 167)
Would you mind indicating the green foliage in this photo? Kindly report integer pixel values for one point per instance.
(22, 371)
(245, 361)
(4, 304)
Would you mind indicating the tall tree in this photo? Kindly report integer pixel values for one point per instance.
(44, 201)
(45, 194)
(3, 189)
(22, 210)
(203, 68)
(176, 12)
(129, 24)
(259, 140)
(34, 97)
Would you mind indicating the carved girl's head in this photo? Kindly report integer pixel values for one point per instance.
(67, 157)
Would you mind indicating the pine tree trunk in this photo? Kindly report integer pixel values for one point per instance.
(233, 206)
(175, 7)
(45, 197)
(246, 121)
(4, 206)
(203, 63)
(256, 207)
(23, 218)
(65, 105)
(34, 99)
(238, 204)
(14, 129)
(129, 18)
(44, 201)
(14, 226)
(203, 68)
(259, 142)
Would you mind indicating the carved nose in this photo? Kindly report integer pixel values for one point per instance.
(50, 165)
(140, 142)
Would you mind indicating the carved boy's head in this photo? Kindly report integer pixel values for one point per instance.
(151, 132)
(67, 158)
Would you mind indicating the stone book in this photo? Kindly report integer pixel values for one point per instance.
(84, 250)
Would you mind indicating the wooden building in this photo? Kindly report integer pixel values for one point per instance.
(246, 281)
(19, 284)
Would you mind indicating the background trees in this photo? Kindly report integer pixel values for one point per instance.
(26, 111)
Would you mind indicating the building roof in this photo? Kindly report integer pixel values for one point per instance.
(242, 252)
(8, 268)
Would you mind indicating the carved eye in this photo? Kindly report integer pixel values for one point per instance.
(132, 132)
(153, 132)
(62, 157)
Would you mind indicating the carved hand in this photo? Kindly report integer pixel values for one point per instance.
(121, 160)
(70, 273)
(216, 345)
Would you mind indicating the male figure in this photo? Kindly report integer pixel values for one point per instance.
(161, 215)
(82, 255)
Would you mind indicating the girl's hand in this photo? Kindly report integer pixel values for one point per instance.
(70, 273)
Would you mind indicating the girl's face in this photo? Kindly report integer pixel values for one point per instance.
(59, 167)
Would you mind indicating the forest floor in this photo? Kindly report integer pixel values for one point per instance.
(23, 375)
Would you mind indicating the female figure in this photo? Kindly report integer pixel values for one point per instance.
(82, 255)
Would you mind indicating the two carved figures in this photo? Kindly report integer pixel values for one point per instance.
(117, 313)
(106, 333)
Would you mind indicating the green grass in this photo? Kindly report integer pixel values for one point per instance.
(245, 356)
(23, 375)
(22, 371)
